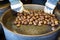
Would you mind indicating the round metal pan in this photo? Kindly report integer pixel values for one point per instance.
(12, 35)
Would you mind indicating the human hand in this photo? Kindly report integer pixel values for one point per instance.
(50, 6)
(16, 5)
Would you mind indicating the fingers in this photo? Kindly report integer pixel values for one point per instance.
(26, 11)
(48, 10)
(16, 5)
(50, 6)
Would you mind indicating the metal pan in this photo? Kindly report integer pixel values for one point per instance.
(10, 34)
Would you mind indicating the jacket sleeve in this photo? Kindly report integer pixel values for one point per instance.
(50, 6)
(16, 5)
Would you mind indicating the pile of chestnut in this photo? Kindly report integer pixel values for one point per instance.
(36, 17)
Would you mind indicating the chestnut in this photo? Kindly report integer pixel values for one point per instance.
(18, 25)
(15, 22)
(34, 23)
(28, 17)
(36, 17)
(45, 22)
(46, 16)
(35, 14)
(40, 22)
(24, 17)
(52, 25)
(22, 22)
(56, 22)
(25, 14)
(25, 23)
(30, 23)
(31, 14)
(31, 19)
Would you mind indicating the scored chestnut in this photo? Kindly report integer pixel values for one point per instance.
(36, 17)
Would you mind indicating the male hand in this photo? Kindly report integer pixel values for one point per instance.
(50, 6)
(16, 5)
